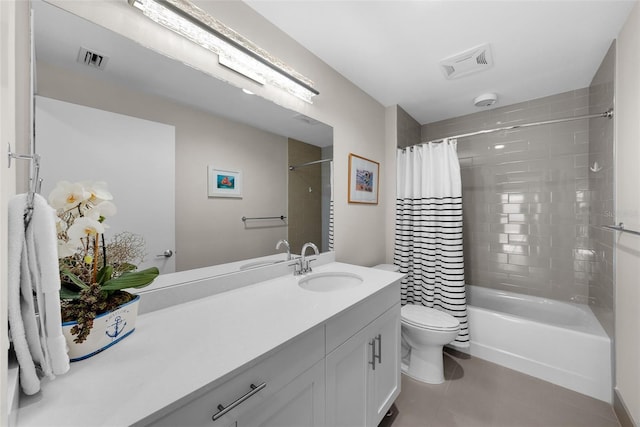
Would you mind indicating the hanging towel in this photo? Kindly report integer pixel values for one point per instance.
(33, 270)
(29, 380)
(42, 257)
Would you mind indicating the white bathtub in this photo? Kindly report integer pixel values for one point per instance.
(559, 342)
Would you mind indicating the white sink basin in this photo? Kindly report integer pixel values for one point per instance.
(329, 281)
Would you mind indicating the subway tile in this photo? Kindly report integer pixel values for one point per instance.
(510, 248)
(511, 167)
(510, 268)
(518, 238)
(528, 260)
(509, 228)
(540, 230)
(509, 208)
(513, 187)
(517, 218)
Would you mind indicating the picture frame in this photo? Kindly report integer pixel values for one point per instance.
(364, 179)
(224, 183)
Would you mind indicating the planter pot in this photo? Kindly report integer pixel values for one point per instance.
(108, 329)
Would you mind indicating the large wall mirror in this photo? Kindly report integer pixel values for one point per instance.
(109, 109)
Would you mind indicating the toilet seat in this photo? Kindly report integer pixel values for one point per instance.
(423, 317)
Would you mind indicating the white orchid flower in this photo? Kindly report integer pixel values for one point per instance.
(83, 227)
(67, 249)
(98, 191)
(102, 210)
(67, 195)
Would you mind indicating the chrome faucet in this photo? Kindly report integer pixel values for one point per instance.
(304, 263)
(286, 245)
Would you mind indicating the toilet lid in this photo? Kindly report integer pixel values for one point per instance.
(428, 318)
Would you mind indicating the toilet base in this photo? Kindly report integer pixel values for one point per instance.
(426, 366)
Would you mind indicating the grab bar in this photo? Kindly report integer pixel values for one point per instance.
(281, 217)
(620, 227)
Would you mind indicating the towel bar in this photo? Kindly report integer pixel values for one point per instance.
(281, 217)
(620, 227)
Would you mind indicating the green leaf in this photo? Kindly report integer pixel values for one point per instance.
(66, 293)
(136, 279)
(127, 267)
(105, 274)
(75, 279)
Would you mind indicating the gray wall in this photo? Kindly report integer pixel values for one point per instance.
(601, 283)
(408, 129)
(526, 210)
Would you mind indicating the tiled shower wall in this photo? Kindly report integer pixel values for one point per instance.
(304, 196)
(601, 184)
(526, 197)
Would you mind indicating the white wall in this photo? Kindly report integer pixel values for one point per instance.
(627, 195)
(14, 128)
(358, 121)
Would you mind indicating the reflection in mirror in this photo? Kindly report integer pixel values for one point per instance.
(151, 127)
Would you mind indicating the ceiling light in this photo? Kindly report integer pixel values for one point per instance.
(498, 146)
(485, 100)
(233, 50)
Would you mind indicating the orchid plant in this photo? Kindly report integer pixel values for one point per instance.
(93, 272)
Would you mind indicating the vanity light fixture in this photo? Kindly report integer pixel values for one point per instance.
(234, 51)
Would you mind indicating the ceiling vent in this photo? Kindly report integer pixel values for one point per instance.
(306, 119)
(468, 62)
(92, 58)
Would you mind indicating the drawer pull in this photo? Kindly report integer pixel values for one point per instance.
(379, 356)
(372, 343)
(223, 410)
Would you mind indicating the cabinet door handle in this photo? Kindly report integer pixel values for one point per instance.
(223, 410)
(372, 343)
(379, 356)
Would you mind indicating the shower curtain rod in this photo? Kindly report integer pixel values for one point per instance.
(294, 167)
(608, 114)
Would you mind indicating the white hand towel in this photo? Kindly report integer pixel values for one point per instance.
(29, 380)
(42, 251)
(33, 267)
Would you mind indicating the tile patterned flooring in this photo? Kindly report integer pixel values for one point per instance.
(477, 393)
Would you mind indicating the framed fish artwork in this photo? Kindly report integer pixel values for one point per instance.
(364, 177)
(224, 183)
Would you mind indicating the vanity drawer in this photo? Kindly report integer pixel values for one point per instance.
(275, 371)
(347, 324)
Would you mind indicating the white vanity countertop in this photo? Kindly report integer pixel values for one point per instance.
(177, 350)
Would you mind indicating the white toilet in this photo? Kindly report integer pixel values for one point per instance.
(425, 331)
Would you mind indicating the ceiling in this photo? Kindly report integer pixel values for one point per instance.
(392, 49)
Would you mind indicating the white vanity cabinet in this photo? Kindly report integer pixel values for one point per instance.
(345, 372)
(363, 374)
(284, 388)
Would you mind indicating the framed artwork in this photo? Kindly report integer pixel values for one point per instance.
(364, 177)
(224, 183)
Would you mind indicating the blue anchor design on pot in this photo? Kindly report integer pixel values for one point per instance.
(116, 328)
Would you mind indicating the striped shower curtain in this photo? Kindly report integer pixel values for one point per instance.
(428, 238)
